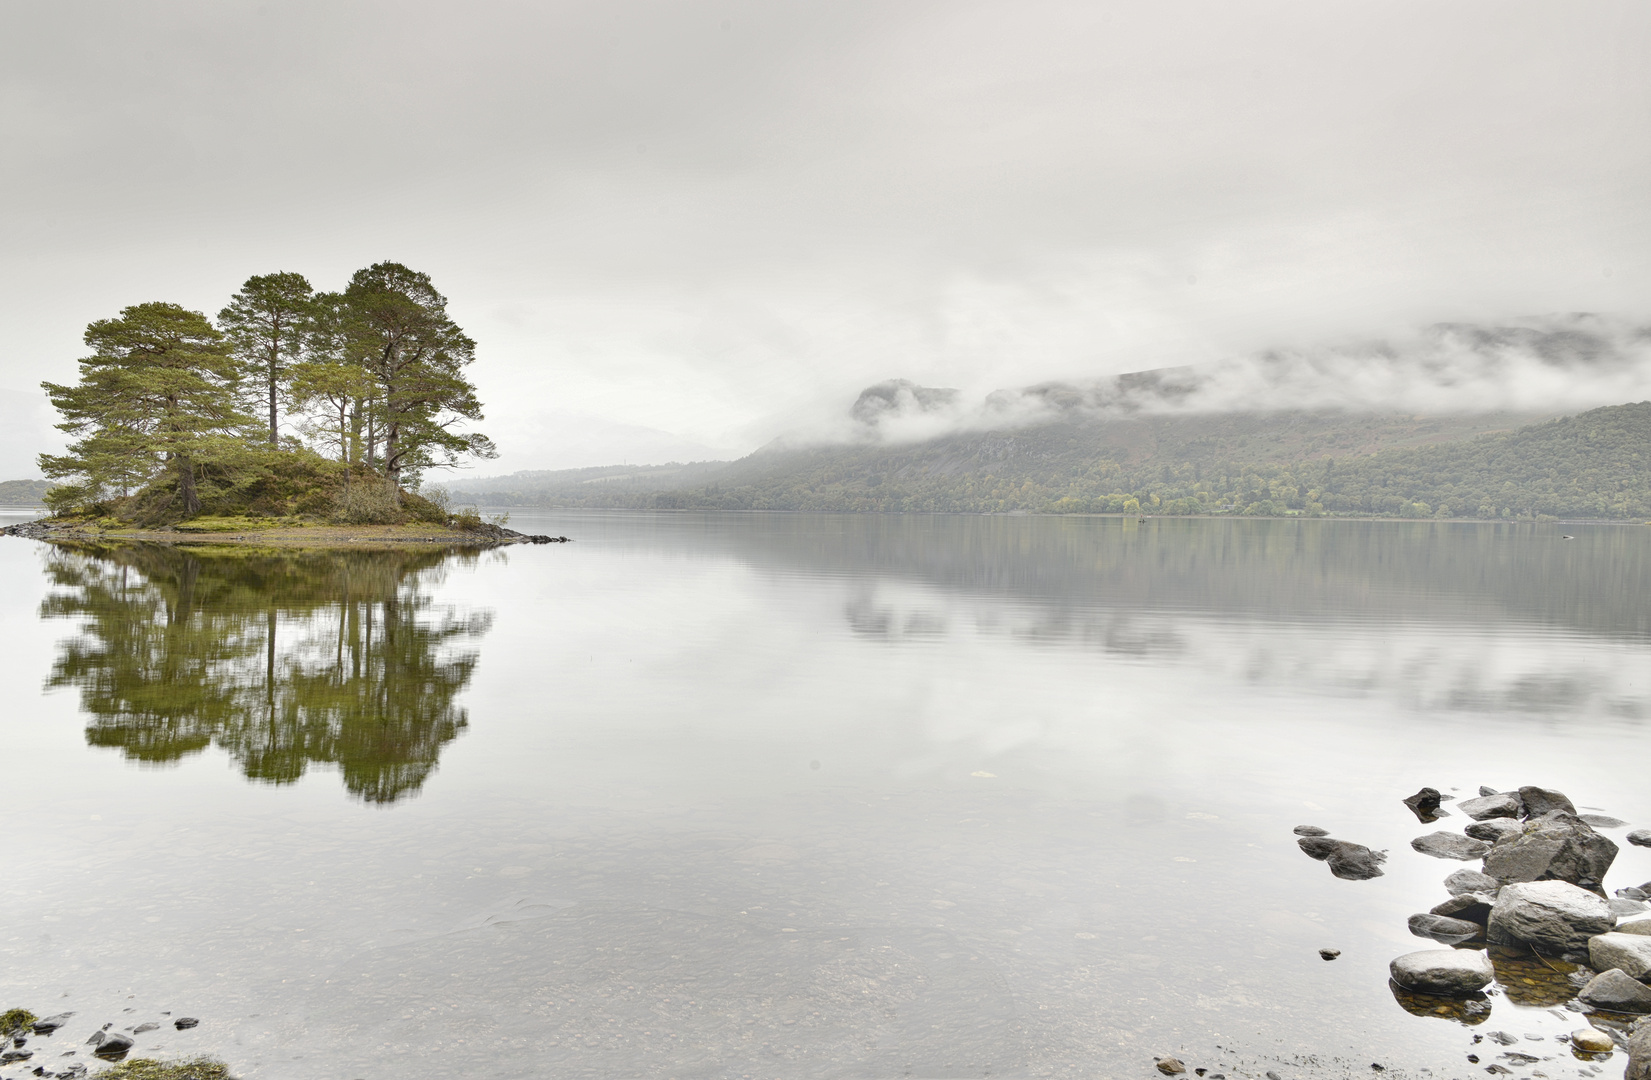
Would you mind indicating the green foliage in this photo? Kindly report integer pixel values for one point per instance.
(197, 1068)
(281, 659)
(16, 1021)
(265, 324)
(157, 393)
(377, 372)
(1597, 465)
(23, 492)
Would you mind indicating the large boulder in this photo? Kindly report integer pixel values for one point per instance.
(1490, 806)
(1555, 916)
(1631, 953)
(1445, 972)
(1538, 801)
(1616, 992)
(1449, 845)
(1558, 846)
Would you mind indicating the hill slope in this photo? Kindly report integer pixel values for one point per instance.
(1596, 464)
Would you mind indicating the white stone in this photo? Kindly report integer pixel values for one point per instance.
(1629, 952)
(1446, 972)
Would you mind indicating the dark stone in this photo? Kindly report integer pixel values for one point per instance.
(1617, 992)
(1474, 907)
(15, 1055)
(1425, 805)
(1449, 845)
(183, 1022)
(1310, 830)
(1466, 881)
(1539, 801)
(51, 1023)
(1351, 862)
(1443, 928)
(1490, 806)
(1558, 846)
(115, 1044)
(1640, 838)
(1483, 790)
(1493, 829)
(1329, 954)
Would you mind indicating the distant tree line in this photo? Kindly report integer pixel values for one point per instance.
(371, 378)
(1595, 465)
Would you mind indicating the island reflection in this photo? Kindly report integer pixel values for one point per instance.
(280, 659)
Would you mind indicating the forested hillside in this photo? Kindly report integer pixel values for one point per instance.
(1597, 464)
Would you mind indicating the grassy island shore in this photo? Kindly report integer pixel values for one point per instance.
(266, 532)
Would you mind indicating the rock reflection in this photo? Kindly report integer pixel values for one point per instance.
(1469, 1011)
(281, 659)
(1533, 980)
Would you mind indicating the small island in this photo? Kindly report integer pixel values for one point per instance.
(297, 418)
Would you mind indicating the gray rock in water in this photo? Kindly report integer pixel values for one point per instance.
(1629, 952)
(1490, 806)
(1329, 954)
(1640, 838)
(1602, 821)
(1474, 907)
(1443, 928)
(115, 1044)
(1634, 892)
(1639, 923)
(51, 1023)
(1539, 801)
(1449, 845)
(1445, 972)
(1483, 791)
(1466, 881)
(184, 1022)
(1592, 1041)
(1170, 1066)
(1616, 992)
(1493, 829)
(1310, 830)
(1555, 916)
(1559, 846)
(141, 1028)
(1623, 905)
(1425, 805)
(1353, 862)
(95, 1039)
(1639, 1053)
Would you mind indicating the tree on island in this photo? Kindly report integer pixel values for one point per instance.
(265, 323)
(156, 396)
(374, 376)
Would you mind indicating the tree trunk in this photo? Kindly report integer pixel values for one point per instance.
(186, 486)
(274, 431)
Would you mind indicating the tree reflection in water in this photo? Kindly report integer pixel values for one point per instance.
(279, 658)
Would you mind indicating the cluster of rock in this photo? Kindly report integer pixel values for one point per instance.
(105, 1044)
(1542, 887)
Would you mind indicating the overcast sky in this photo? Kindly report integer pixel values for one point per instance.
(680, 228)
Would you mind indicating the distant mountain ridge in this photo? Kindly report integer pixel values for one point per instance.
(1595, 464)
(23, 492)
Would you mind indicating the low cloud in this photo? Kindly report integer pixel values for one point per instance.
(1562, 364)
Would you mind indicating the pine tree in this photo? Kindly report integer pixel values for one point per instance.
(157, 394)
(265, 323)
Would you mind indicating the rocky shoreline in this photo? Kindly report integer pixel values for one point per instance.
(484, 535)
(1534, 923)
(22, 1045)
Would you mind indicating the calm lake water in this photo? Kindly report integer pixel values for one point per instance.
(787, 795)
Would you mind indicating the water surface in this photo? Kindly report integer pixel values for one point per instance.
(794, 795)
